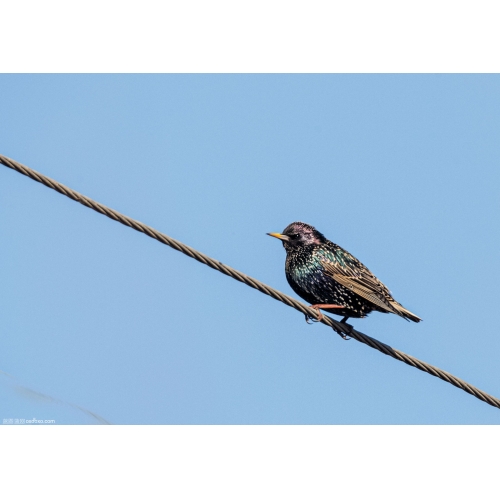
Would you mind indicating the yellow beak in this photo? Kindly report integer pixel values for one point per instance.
(283, 237)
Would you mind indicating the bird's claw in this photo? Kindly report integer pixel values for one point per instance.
(313, 320)
(342, 333)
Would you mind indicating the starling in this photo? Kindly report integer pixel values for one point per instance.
(329, 277)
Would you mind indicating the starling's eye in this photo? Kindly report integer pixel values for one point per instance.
(295, 236)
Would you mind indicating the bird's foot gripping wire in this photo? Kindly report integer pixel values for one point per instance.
(345, 330)
(310, 320)
(313, 318)
(317, 307)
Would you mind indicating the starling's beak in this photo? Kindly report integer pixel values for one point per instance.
(283, 237)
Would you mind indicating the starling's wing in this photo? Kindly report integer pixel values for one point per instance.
(345, 269)
(358, 286)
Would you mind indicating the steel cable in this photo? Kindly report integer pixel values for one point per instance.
(339, 327)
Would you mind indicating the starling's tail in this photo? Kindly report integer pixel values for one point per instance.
(401, 311)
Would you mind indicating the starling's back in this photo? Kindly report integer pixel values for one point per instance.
(322, 272)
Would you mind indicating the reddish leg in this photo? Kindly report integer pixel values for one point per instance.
(317, 308)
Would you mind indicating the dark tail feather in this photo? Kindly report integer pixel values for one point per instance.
(401, 311)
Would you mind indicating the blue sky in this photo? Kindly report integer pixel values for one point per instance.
(401, 170)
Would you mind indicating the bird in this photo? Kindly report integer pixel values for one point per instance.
(330, 278)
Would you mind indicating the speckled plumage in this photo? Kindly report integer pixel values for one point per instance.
(322, 272)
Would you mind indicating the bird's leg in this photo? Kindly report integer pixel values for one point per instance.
(317, 308)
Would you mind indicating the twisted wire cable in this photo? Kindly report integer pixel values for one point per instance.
(341, 328)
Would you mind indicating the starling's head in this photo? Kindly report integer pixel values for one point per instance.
(298, 235)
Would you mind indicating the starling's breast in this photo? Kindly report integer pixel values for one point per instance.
(306, 276)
